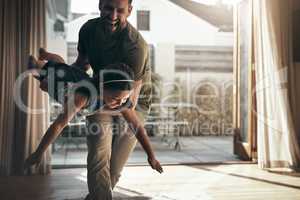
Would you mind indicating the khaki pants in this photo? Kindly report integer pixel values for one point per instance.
(109, 146)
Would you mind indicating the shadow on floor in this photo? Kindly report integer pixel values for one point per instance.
(248, 177)
(55, 187)
(120, 197)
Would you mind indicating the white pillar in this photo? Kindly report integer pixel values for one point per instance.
(165, 60)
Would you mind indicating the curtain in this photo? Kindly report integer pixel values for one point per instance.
(277, 137)
(294, 73)
(22, 32)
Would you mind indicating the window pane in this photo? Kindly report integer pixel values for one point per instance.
(143, 20)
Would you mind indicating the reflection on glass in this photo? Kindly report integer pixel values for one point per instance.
(244, 42)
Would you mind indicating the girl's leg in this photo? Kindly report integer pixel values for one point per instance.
(45, 55)
(33, 63)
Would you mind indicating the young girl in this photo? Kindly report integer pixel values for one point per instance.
(81, 94)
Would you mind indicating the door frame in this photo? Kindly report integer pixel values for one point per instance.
(245, 150)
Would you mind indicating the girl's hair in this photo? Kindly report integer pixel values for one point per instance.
(118, 76)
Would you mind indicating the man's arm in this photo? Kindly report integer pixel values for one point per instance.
(136, 92)
(141, 135)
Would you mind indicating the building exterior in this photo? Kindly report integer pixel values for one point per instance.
(58, 14)
(170, 25)
(191, 48)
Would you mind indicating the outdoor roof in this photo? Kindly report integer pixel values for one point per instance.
(219, 16)
(63, 7)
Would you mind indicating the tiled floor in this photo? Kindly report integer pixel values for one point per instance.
(193, 150)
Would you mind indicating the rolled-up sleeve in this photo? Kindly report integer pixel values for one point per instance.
(138, 59)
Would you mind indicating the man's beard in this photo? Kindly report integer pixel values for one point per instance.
(112, 26)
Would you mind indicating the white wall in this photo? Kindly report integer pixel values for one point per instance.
(170, 23)
(55, 42)
(165, 60)
(74, 26)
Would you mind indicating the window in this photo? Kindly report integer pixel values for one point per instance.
(143, 20)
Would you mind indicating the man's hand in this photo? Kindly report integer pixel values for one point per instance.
(155, 165)
(82, 62)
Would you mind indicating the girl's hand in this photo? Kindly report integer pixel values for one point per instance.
(155, 164)
(34, 159)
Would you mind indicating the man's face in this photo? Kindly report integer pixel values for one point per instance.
(115, 13)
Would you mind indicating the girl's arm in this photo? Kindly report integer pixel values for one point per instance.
(141, 135)
(71, 107)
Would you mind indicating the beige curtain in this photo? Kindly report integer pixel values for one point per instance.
(277, 137)
(294, 73)
(22, 32)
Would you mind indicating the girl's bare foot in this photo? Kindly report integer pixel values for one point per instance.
(45, 55)
(32, 63)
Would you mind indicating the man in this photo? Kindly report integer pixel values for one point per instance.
(102, 41)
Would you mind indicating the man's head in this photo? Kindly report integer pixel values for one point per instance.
(115, 13)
